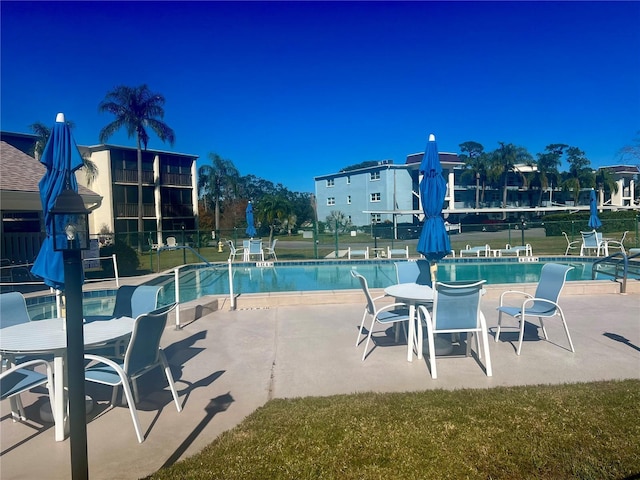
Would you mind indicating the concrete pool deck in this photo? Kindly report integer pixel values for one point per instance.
(229, 363)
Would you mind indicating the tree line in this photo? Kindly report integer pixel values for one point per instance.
(495, 168)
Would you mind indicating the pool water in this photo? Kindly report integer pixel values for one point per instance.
(197, 281)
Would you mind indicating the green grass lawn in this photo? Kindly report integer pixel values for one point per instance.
(578, 431)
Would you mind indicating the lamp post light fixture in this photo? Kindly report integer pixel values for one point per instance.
(71, 236)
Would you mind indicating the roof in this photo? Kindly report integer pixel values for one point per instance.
(106, 146)
(20, 172)
(445, 158)
(623, 169)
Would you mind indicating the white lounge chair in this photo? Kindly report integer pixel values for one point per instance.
(516, 250)
(477, 251)
(171, 242)
(358, 253)
(401, 252)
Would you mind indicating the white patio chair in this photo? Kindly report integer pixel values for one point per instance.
(618, 243)
(591, 241)
(571, 245)
(385, 315)
(21, 378)
(270, 250)
(358, 253)
(171, 242)
(143, 354)
(456, 310)
(233, 250)
(543, 304)
(254, 249)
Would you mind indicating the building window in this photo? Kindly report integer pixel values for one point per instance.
(376, 218)
(331, 201)
(375, 197)
(348, 199)
(330, 182)
(374, 176)
(349, 180)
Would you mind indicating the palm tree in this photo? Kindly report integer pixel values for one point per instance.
(273, 210)
(43, 132)
(605, 182)
(579, 175)
(216, 182)
(505, 159)
(475, 161)
(548, 163)
(136, 109)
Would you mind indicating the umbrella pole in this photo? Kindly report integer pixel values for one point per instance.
(434, 273)
(75, 364)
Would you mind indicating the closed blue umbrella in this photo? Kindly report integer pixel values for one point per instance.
(594, 221)
(62, 158)
(434, 241)
(251, 229)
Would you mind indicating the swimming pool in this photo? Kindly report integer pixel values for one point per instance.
(197, 281)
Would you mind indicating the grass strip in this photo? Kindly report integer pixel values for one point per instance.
(584, 430)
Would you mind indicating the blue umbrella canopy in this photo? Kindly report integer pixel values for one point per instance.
(251, 229)
(61, 158)
(594, 221)
(434, 241)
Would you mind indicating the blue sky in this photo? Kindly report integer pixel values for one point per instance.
(292, 90)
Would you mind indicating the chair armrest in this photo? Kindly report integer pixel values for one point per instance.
(513, 292)
(532, 300)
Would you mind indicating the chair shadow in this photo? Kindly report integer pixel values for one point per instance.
(38, 426)
(621, 339)
(216, 405)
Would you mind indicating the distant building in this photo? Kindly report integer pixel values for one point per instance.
(169, 190)
(380, 187)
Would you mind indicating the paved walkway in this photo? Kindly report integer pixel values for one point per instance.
(229, 363)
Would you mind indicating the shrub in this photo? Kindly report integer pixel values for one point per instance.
(128, 261)
(557, 223)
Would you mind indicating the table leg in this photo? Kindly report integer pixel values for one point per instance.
(411, 334)
(60, 397)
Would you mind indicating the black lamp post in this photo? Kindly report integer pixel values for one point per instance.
(71, 236)
(522, 225)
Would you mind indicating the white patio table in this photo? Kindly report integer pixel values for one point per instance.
(414, 295)
(49, 337)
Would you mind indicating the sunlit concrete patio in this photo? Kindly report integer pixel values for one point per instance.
(229, 363)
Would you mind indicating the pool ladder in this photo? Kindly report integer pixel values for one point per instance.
(619, 266)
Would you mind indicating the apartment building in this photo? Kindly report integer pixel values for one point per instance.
(363, 193)
(169, 190)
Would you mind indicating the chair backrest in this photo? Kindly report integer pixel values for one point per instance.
(144, 299)
(273, 244)
(13, 309)
(143, 349)
(552, 279)
(132, 301)
(371, 308)
(590, 239)
(407, 272)
(456, 305)
(171, 241)
(255, 247)
(624, 235)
